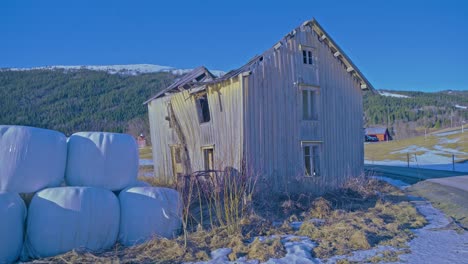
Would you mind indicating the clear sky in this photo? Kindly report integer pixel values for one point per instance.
(397, 44)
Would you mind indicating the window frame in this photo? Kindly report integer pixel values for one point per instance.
(307, 55)
(204, 150)
(313, 103)
(201, 116)
(314, 159)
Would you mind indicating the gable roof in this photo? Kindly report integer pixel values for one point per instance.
(196, 76)
(321, 33)
(376, 130)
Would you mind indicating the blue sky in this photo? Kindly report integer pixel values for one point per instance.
(402, 45)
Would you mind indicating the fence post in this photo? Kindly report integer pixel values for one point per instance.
(407, 158)
(453, 162)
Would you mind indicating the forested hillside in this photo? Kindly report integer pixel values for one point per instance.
(78, 100)
(88, 100)
(408, 114)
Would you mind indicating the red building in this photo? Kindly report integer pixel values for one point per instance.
(381, 133)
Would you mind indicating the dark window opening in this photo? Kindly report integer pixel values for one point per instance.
(199, 78)
(208, 158)
(307, 57)
(204, 109)
(312, 160)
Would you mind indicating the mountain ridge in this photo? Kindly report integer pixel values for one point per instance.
(127, 69)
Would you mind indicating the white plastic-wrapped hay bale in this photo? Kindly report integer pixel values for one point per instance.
(146, 212)
(12, 215)
(31, 158)
(101, 159)
(65, 218)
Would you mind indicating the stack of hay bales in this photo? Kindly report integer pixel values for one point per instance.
(75, 183)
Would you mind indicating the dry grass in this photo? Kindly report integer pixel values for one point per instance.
(375, 214)
(363, 214)
(146, 153)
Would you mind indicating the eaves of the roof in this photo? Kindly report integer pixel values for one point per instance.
(322, 35)
(351, 67)
(188, 78)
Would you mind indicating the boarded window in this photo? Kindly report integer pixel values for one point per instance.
(311, 159)
(309, 104)
(203, 109)
(208, 158)
(176, 157)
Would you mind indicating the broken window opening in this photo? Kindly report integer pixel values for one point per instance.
(203, 109)
(208, 154)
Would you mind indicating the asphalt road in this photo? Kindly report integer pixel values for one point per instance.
(409, 175)
(459, 182)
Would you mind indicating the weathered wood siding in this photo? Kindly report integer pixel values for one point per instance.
(256, 116)
(223, 132)
(274, 128)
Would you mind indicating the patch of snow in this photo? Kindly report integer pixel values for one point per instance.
(449, 150)
(145, 162)
(362, 255)
(410, 149)
(433, 244)
(129, 69)
(461, 106)
(298, 250)
(448, 133)
(448, 140)
(383, 93)
(394, 182)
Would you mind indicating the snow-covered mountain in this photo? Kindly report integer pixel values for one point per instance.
(130, 69)
(384, 93)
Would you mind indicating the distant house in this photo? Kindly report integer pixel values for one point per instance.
(381, 133)
(292, 115)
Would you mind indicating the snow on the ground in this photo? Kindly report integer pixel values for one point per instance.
(394, 182)
(461, 106)
(449, 150)
(383, 93)
(448, 140)
(145, 162)
(298, 250)
(130, 69)
(448, 133)
(361, 255)
(434, 243)
(410, 149)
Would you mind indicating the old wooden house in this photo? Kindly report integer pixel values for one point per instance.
(292, 116)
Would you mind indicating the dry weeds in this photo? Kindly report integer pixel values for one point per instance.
(364, 214)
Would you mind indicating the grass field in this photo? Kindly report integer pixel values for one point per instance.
(437, 145)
